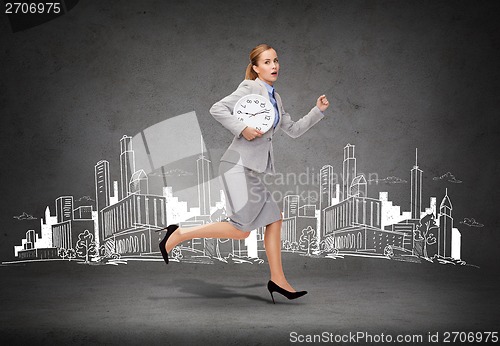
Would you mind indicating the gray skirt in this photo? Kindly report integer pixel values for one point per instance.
(249, 205)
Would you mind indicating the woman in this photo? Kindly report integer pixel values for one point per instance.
(248, 203)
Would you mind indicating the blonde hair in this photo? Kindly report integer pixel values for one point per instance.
(254, 56)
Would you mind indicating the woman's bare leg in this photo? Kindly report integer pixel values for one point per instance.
(211, 230)
(272, 242)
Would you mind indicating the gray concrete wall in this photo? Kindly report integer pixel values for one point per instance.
(400, 76)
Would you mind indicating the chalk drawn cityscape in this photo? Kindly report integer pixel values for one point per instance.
(120, 226)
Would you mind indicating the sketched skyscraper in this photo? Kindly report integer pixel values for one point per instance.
(327, 186)
(327, 190)
(416, 190)
(46, 227)
(127, 165)
(203, 169)
(102, 192)
(348, 171)
(102, 185)
(290, 213)
(445, 227)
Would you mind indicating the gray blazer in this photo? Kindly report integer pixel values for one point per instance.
(254, 154)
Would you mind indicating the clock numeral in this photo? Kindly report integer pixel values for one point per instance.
(263, 105)
(268, 117)
(256, 101)
(257, 128)
(249, 101)
(264, 124)
(239, 112)
(240, 119)
(243, 106)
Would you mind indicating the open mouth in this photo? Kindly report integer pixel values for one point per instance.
(274, 73)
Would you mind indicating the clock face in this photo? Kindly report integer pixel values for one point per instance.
(255, 111)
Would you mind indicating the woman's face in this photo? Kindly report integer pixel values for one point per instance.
(267, 66)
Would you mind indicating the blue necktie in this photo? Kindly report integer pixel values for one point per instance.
(275, 104)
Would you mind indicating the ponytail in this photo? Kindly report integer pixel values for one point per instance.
(250, 73)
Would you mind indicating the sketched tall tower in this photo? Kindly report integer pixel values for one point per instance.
(445, 227)
(127, 165)
(102, 191)
(203, 168)
(348, 170)
(102, 185)
(416, 190)
(327, 190)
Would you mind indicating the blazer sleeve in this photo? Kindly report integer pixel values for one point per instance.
(222, 111)
(297, 128)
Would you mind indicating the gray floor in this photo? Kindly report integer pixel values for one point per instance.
(47, 303)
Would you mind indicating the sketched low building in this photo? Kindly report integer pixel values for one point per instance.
(70, 223)
(65, 234)
(129, 225)
(407, 228)
(29, 249)
(354, 226)
(296, 218)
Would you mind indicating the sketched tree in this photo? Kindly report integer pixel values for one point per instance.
(294, 246)
(388, 251)
(62, 253)
(308, 240)
(427, 230)
(71, 254)
(177, 253)
(86, 245)
(286, 244)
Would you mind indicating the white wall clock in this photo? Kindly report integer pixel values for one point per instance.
(255, 111)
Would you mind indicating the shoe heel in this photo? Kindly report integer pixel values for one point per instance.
(271, 289)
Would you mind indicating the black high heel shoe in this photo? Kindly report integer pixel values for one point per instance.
(272, 287)
(170, 229)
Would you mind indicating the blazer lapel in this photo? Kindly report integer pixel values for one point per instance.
(263, 89)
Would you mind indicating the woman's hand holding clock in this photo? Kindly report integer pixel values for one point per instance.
(251, 133)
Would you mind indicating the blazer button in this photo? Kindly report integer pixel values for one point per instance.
(269, 139)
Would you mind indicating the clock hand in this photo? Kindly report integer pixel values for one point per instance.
(254, 114)
(250, 114)
(264, 111)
